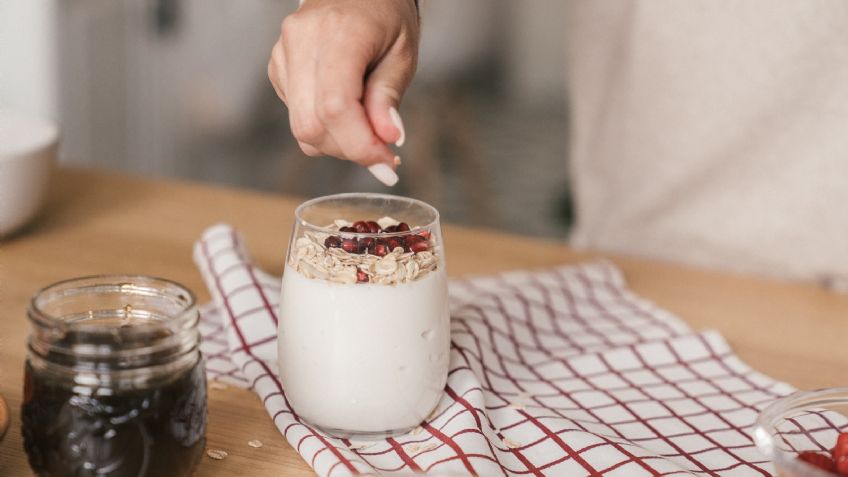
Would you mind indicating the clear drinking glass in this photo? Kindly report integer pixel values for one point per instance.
(364, 328)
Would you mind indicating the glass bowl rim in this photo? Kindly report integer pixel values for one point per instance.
(298, 214)
(764, 425)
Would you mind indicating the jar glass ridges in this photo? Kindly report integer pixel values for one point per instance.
(114, 380)
(364, 328)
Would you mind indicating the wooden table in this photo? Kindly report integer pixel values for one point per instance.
(105, 223)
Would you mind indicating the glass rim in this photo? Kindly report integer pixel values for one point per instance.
(298, 214)
(765, 424)
(41, 317)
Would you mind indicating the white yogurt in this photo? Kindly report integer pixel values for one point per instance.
(364, 358)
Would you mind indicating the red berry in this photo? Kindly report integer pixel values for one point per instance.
(333, 242)
(391, 229)
(347, 229)
(842, 465)
(381, 250)
(420, 246)
(821, 461)
(360, 227)
(425, 234)
(350, 245)
(394, 243)
(403, 227)
(366, 244)
(841, 448)
(373, 227)
(361, 276)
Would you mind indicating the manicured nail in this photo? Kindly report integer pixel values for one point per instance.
(397, 161)
(393, 113)
(384, 174)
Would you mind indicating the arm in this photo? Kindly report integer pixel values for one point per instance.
(341, 67)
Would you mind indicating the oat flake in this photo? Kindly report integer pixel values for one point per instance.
(217, 454)
(255, 443)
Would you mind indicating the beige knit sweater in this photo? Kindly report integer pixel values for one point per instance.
(713, 132)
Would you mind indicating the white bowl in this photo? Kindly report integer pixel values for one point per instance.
(27, 155)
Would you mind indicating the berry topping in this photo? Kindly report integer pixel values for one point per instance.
(350, 245)
(381, 250)
(403, 227)
(841, 448)
(360, 227)
(366, 244)
(373, 227)
(821, 461)
(333, 242)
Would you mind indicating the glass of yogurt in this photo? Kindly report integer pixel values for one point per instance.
(364, 328)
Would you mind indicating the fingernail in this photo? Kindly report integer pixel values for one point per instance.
(397, 161)
(395, 115)
(384, 174)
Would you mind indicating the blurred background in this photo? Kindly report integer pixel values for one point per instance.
(178, 88)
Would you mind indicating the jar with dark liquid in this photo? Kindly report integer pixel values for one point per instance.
(114, 381)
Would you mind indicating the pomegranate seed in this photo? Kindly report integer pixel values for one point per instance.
(350, 245)
(360, 227)
(373, 227)
(818, 460)
(391, 229)
(347, 229)
(361, 276)
(333, 242)
(381, 250)
(425, 234)
(842, 465)
(394, 243)
(366, 244)
(841, 448)
(403, 227)
(420, 246)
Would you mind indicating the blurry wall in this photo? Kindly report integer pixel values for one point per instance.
(179, 88)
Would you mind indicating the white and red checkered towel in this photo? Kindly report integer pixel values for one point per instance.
(557, 372)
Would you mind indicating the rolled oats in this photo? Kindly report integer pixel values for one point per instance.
(312, 258)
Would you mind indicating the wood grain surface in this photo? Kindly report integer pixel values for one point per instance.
(97, 222)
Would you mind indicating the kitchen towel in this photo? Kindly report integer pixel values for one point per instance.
(554, 372)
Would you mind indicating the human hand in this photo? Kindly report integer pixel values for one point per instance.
(341, 67)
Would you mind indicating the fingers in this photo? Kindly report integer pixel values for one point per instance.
(338, 104)
(277, 71)
(383, 91)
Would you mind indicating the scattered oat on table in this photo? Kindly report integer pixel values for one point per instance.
(510, 443)
(360, 445)
(411, 448)
(216, 454)
(429, 446)
(255, 443)
(217, 385)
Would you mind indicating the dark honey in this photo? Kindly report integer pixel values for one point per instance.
(139, 433)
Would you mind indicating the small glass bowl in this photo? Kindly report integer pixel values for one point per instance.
(803, 421)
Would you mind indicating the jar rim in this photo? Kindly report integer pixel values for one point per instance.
(298, 213)
(38, 315)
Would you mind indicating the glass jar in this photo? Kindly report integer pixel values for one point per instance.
(114, 380)
(364, 329)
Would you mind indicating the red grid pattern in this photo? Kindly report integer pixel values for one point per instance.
(559, 372)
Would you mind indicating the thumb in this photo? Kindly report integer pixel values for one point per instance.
(383, 91)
